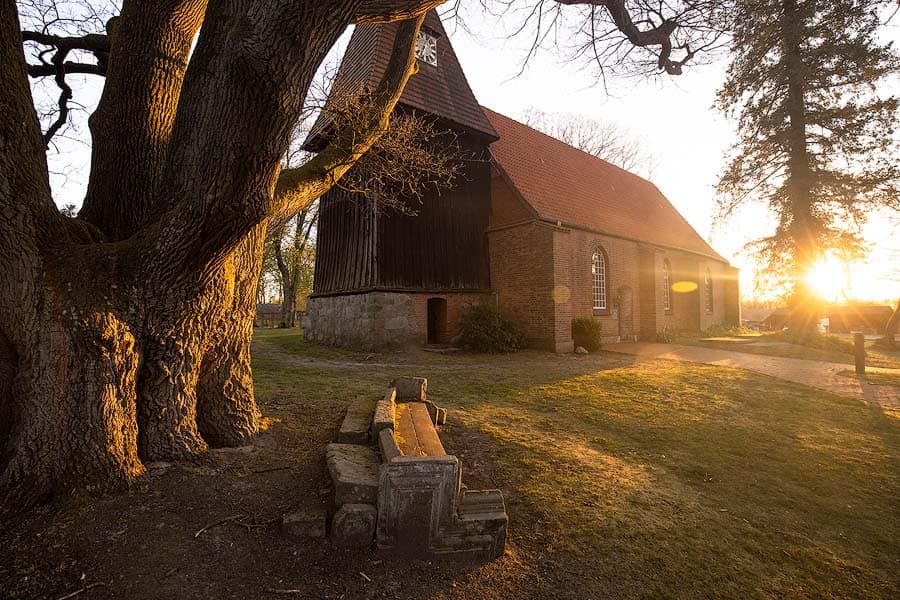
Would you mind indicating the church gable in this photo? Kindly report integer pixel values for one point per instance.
(439, 88)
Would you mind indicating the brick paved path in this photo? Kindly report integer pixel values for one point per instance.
(812, 373)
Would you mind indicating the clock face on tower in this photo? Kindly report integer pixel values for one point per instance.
(426, 48)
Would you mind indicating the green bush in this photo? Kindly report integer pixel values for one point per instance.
(483, 328)
(586, 333)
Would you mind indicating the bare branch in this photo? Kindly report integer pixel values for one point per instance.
(69, 68)
(297, 188)
(92, 42)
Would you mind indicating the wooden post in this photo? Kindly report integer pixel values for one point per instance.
(859, 353)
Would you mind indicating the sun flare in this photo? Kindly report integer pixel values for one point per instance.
(829, 278)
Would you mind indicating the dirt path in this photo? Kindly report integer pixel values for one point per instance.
(817, 374)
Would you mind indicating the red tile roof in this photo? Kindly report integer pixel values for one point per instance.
(442, 90)
(565, 184)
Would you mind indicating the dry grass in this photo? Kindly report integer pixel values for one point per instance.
(774, 344)
(623, 479)
(663, 479)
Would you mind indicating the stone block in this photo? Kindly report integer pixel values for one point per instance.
(354, 472)
(304, 523)
(411, 389)
(384, 412)
(353, 526)
(355, 427)
(417, 496)
(388, 445)
(440, 417)
(414, 431)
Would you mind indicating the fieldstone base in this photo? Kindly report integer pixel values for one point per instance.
(366, 321)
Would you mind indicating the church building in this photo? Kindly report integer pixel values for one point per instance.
(544, 231)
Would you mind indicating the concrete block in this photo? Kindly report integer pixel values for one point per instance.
(304, 523)
(355, 427)
(411, 389)
(353, 526)
(354, 472)
(384, 412)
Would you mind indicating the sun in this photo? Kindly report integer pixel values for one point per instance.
(829, 278)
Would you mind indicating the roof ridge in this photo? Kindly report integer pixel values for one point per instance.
(560, 180)
(559, 141)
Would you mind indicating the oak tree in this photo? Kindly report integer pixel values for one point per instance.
(125, 331)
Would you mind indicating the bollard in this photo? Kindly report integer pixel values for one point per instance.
(859, 353)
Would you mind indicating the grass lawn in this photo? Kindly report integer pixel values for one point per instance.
(623, 479)
(770, 345)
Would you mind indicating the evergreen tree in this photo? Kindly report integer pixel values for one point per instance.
(816, 137)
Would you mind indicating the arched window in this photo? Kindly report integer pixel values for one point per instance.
(707, 281)
(667, 286)
(598, 280)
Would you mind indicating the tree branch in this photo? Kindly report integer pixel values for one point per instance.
(383, 11)
(298, 187)
(92, 42)
(65, 94)
(658, 35)
(68, 68)
(149, 44)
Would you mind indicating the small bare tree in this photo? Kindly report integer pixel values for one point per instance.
(611, 142)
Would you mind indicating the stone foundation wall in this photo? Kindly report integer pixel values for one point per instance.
(376, 320)
(364, 321)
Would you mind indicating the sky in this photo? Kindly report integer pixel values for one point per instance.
(674, 116)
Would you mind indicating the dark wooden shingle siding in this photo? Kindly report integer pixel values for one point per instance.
(442, 247)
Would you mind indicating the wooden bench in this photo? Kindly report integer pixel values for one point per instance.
(422, 507)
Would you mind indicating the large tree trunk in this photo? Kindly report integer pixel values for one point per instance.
(128, 339)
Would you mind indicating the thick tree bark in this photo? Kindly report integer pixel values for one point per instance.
(138, 347)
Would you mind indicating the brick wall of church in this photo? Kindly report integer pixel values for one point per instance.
(542, 276)
(573, 250)
(522, 278)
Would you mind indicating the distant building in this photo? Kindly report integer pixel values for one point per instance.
(545, 231)
(868, 318)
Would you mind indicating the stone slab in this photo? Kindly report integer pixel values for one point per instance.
(354, 472)
(417, 496)
(415, 432)
(304, 523)
(353, 526)
(384, 412)
(355, 427)
(411, 389)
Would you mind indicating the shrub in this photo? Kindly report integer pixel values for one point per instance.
(666, 336)
(483, 328)
(586, 333)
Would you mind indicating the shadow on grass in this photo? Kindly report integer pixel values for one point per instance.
(657, 478)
